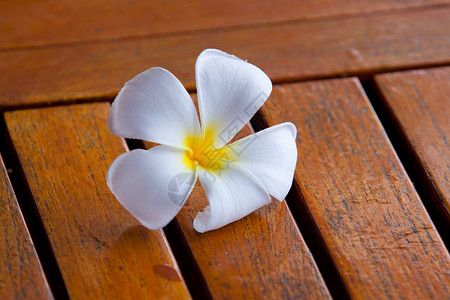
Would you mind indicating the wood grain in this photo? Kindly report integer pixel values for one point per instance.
(37, 23)
(21, 275)
(101, 249)
(260, 256)
(358, 194)
(419, 102)
(239, 260)
(286, 52)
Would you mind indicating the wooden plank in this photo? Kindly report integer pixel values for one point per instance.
(101, 249)
(38, 23)
(419, 102)
(21, 275)
(358, 194)
(286, 52)
(260, 256)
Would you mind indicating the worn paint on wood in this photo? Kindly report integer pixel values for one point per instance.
(21, 275)
(286, 52)
(102, 251)
(350, 179)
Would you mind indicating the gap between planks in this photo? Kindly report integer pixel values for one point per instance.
(310, 232)
(363, 161)
(31, 215)
(251, 227)
(232, 27)
(357, 46)
(409, 159)
(399, 142)
(100, 252)
(363, 77)
(314, 242)
(186, 263)
(24, 132)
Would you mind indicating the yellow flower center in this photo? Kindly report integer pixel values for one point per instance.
(201, 151)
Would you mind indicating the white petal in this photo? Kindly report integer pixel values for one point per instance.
(152, 184)
(230, 91)
(154, 106)
(232, 194)
(271, 156)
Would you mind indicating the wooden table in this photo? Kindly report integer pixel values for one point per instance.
(367, 84)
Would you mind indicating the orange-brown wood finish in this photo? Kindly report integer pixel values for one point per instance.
(21, 275)
(260, 256)
(358, 194)
(420, 103)
(102, 251)
(286, 52)
(38, 23)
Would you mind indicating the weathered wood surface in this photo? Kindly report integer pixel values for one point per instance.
(101, 249)
(260, 256)
(419, 102)
(39, 23)
(350, 179)
(21, 275)
(290, 51)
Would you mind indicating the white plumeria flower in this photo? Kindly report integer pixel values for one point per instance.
(238, 178)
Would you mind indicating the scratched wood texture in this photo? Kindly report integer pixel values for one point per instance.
(21, 275)
(260, 256)
(419, 102)
(101, 249)
(358, 194)
(38, 23)
(289, 51)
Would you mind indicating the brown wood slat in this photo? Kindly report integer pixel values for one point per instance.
(420, 103)
(101, 249)
(357, 192)
(21, 275)
(286, 52)
(37, 23)
(260, 256)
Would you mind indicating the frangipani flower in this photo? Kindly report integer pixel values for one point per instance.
(238, 178)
